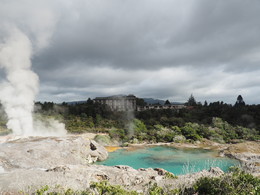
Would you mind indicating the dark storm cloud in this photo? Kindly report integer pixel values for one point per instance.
(167, 49)
(152, 34)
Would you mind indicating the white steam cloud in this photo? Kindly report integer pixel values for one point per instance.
(21, 35)
(18, 92)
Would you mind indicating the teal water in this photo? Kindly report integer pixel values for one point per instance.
(177, 161)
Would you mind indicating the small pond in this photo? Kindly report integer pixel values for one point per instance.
(177, 161)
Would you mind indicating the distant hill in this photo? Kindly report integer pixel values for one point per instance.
(147, 100)
(153, 101)
(178, 103)
(76, 102)
(156, 101)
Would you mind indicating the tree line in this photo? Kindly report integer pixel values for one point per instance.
(217, 121)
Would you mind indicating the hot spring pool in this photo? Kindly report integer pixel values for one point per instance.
(177, 161)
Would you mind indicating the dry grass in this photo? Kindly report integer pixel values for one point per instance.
(246, 147)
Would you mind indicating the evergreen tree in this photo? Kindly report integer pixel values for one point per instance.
(140, 102)
(89, 101)
(167, 102)
(240, 101)
(191, 101)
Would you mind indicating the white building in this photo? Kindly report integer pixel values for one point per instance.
(160, 107)
(118, 103)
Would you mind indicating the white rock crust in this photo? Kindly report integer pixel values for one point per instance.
(46, 152)
(65, 161)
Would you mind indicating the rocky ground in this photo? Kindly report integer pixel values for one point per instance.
(27, 164)
(248, 153)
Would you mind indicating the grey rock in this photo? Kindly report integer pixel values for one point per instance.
(160, 171)
(216, 171)
(30, 163)
(46, 152)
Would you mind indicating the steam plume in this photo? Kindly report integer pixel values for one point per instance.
(26, 28)
(18, 91)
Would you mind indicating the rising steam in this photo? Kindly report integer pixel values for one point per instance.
(18, 91)
(22, 34)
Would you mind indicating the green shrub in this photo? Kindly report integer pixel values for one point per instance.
(163, 134)
(236, 182)
(189, 131)
(104, 188)
(117, 134)
(170, 175)
(42, 190)
(156, 190)
(103, 139)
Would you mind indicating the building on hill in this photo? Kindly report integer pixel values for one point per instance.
(129, 103)
(161, 107)
(119, 102)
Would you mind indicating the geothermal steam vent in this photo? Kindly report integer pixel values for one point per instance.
(19, 88)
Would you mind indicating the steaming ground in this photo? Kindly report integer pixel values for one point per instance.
(42, 127)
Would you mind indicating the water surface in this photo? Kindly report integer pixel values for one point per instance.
(177, 161)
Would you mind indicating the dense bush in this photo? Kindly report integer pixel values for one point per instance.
(236, 182)
(217, 121)
(104, 188)
(219, 131)
(190, 131)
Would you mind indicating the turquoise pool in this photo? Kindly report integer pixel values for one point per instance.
(177, 161)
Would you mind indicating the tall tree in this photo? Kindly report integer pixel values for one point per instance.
(140, 102)
(167, 102)
(191, 101)
(240, 101)
(89, 101)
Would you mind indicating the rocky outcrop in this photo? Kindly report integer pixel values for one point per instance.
(29, 163)
(46, 152)
(79, 177)
(248, 153)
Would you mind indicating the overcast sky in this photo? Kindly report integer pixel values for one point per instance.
(166, 49)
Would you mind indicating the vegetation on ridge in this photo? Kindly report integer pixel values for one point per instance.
(215, 121)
